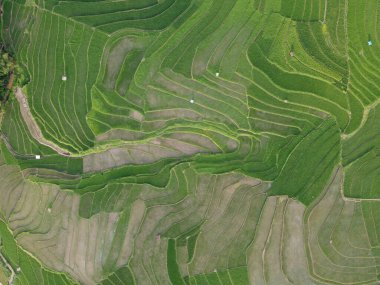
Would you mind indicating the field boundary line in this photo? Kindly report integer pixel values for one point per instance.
(32, 125)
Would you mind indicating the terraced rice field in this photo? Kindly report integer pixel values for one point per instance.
(191, 142)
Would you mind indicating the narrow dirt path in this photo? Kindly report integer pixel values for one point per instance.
(325, 13)
(13, 274)
(32, 124)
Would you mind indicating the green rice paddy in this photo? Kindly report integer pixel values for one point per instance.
(205, 142)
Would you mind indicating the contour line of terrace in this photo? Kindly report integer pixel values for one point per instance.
(37, 134)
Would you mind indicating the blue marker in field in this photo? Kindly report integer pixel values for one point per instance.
(369, 42)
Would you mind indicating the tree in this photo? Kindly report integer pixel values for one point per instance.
(11, 74)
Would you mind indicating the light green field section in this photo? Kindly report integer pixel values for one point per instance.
(20, 267)
(340, 248)
(46, 222)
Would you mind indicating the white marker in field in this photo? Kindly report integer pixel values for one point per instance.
(64, 77)
(38, 156)
(18, 269)
(370, 43)
(192, 101)
(217, 74)
(49, 210)
(286, 101)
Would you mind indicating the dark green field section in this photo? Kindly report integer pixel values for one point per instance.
(361, 158)
(191, 142)
(111, 17)
(303, 11)
(53, 47)
(321, 146)
(120, 277)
